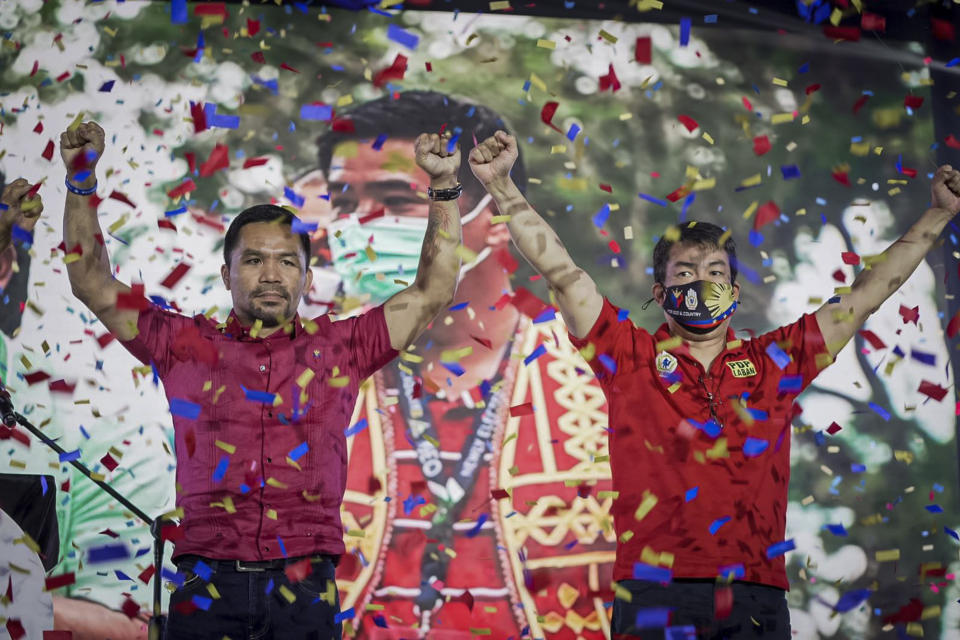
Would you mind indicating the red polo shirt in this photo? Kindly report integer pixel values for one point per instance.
(259, 423)
(715, 498)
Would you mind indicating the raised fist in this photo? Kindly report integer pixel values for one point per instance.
(945, 189)
(435, 157)
(81, 149)
(492, 159)
(18, 207)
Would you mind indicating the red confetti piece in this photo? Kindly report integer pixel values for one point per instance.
(258, 57)
(109, 533)
(130, 608)
(484, 341)
(642, 50)
(254, 162)
(343, 125)
(119, 197)
(842, 33)
(36, 67)
(63, 76)
(284, 65)
(910, 315)
(62, 580)
(253, 27)
(849, 257)
(61, 386)
(394, 72)
(723, 602)
(521, 410)
(843, 177)
(466, 598)
(502, 302)
(547, 113)
(873, 22)
(952, 142)
(182, 189)
(109, 462)
(105, 339)
(146, 574)
(199, 118)
(610, 81)
(747, 104)
(175, 276)
(766, 214)
(834, 428)
(606, 187)
(166, 224)
(527, 303)
(680, 192)
(872, 338)
(506, 260)
(373, 215)
(133, 300)
(614, 246)
(428, 66)
(862, 100)
(38, 128)
(954, 325)
(35, 377)
(932, 390)
(912, 101)
(15, 629)
(499, 494)
(839, 276)
(57, 635)
(299, 570)
(943, 29)
(761, 145)
(48, 151)
(219, 159)
(688, 122)
(190, 439)
(583, 490)
(813, 88)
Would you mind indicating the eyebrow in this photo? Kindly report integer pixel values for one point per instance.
(693, 265)
(285, 254)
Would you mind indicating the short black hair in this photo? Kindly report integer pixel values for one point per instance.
(411, 113)
(262, 213)
(704, 234)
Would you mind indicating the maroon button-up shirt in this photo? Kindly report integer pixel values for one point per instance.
(259, 424)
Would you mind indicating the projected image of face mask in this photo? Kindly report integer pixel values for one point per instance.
(700, 306)
(380, 258)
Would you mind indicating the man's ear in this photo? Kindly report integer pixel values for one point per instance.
(659, 293)
(736, 291)
(225, 275)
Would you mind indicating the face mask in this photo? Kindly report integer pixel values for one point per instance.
(396, 243)
(701, 306)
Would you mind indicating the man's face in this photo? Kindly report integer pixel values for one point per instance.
(691, 262)
(267, 276)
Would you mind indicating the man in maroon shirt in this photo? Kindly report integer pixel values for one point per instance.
(702, 470)
(261, 401)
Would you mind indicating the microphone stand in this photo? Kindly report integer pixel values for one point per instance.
(157, 621)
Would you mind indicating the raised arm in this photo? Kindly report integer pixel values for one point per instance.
(409, 312)
(91, 279)
(577, 295)
(839, 321)
(18, 208)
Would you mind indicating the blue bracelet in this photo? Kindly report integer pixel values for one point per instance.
(77, 190)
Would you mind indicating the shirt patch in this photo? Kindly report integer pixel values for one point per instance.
(742, 368)
(666, 363)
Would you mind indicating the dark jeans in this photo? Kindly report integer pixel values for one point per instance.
(692, 614)
(253, 605)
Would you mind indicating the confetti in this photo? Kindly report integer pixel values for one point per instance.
(642, 50)
(780, 548)
(688, 122)
(402, 37)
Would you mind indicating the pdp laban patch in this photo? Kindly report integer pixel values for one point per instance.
(742, 368)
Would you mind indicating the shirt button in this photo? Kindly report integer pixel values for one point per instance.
(263, 367)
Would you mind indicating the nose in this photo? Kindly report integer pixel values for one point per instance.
(368, 205)
(270, 271)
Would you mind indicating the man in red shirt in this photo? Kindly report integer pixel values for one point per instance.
(261, 401)
(701, 471)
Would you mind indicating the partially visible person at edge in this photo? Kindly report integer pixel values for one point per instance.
(702, 470)
(451, 552)
(261, 401)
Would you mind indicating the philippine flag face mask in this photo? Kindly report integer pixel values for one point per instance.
(700, 306)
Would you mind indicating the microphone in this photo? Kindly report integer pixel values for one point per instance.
(7, 415)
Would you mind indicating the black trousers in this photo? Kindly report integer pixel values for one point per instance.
(687, 610)
(253, 605)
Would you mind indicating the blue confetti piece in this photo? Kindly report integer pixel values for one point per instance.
(805, 67)
(732, 572)
(925, 358)
(790, 171)
(953, 62)
(780, 548)
(600, 217)
(120, 575)
(757, 414)
(252, 395)
(221, 469)
(378, 143)
(178, 12)
(755, 237)
(691, 494)
(686, 205)
(476, 528)
(269, 84)
(851, 599)
(297, 453)
(649, 198)
(651, 618)
(410, 503)
(950, 532)
(106, 87)
(608, 362)
(836, 529)
(622, 314)
(710, 427)
(70, 455)
(686, 632)
(790, 384)
(402, 37)
(202, 602)
(43, 485)
(283, 547)
(107, 553)
(355, 428)
(778, 355)
(340, 616)
(454, 368)
(934, 508)
(203, 570)
(175, 577)
(184, 408)
(880, 411)
(84, 433)
(175, 212)
(572, 133)
(539, 351)
(716, 524)
(457, 307)
(858, 468)
(710, 19)
(546, 315)
(753, 447)
(650, 573)
(221, 121)
(685, 31)
(293, 197)
(299, 226)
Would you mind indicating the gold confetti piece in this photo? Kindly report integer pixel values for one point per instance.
(499, 5)
(480, 632)
(304, 378)
(272, 514)
(499, 219)
(719, 450)
(609, 37)
(780, 118)
(287, 594)
(702, 185)
(374, 607)
(649, 502)
(625, 536)
(669, 343)
(780, 82)
(708, 137)
(119, 223)
(276, 484)
(339, 382)
(76, 122)
(620, 593)
(29, 542)
(509, 438)
(453, 355)
(466, 254)
(229, 448)
(734, 344)
(558, 148)
(805, 119)
(546, 44)
(356, 533)
(603, 495)
(536, 81)
(889, 555)
(601, 459)
(673, 388)
(228, 505)
(626, 116)
(647, 5)
(410, 357)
